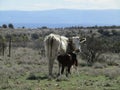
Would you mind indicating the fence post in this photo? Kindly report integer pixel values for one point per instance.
(3, 47)
(10, 46)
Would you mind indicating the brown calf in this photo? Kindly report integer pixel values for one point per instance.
(66, 61)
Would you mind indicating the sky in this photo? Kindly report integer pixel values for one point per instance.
(31, 5)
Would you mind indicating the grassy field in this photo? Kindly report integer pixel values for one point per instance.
(26, 69)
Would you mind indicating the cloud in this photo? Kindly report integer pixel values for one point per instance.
(95, 4)
(78, 4)
(45, 6)
(60, 4)
(41, 6)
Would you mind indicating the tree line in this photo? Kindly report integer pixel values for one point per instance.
(10, 25)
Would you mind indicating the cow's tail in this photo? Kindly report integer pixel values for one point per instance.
(50, 54)
(50, 46)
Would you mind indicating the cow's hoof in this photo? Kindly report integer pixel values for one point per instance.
(58, 74)
(50, 77)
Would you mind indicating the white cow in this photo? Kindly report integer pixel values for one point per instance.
(56, 44)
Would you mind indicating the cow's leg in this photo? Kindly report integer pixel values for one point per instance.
(69, 70)
(59, 68)
(51, 61)
(62, 70)
(50, 67)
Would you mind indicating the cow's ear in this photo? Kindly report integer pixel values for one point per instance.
(82, 40)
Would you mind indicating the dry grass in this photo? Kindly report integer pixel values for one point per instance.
(99, 65)
(111, 59)
(27, 69)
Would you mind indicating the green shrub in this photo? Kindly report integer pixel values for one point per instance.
(35, 36)
(4, 26)
(11, 26)
(93, 48)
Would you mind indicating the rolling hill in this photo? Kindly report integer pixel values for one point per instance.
(60, 18)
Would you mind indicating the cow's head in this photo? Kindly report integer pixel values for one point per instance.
(76, 43)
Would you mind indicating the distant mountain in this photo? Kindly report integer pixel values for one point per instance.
(65, 17)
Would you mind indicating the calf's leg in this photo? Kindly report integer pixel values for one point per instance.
(62, 70)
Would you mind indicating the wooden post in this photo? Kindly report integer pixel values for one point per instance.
(3, 48)
(10, 47)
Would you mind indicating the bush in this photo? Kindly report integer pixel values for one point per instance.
(34, 36)
(93, 48)
(104, 32)
(44, 27)
(115, 33)
(112, 43)
(4, 26)
(116, 47)
(10, 26)
(101, 31)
